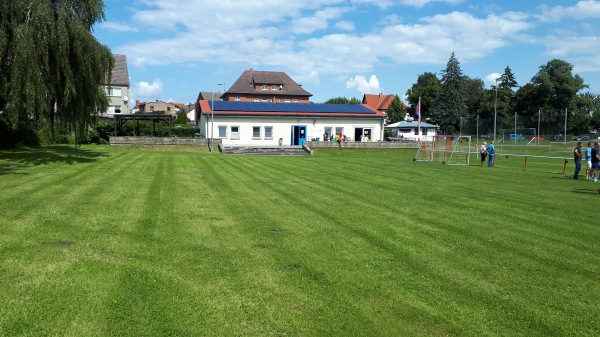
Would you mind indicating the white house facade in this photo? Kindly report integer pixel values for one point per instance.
(266, 124)
(413, 130)
(118, 90)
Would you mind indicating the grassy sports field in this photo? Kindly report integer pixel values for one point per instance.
(106, 241)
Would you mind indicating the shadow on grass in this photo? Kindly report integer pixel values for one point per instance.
(592, 190)
(12, 160)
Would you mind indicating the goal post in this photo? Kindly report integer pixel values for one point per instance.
(445, 149)
(460, 150)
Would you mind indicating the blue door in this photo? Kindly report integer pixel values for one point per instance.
(298, 134)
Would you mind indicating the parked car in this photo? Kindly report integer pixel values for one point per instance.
(593, 131)
(558, 138)
(515, 136)
(485, 137)
(584, 138)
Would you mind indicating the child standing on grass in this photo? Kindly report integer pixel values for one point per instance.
(588, 161)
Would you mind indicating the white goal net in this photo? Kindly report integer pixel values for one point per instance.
(445, 149)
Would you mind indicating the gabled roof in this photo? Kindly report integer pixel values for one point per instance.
(412, 124)
(245, 84)
(379, 102)
(207, 95)
(120, 74)
(252, 109)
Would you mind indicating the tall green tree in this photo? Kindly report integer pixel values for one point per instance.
(555, 89)
(51, 66)
(396, 111)
(451, 102)
(427, 88)
(343, 100)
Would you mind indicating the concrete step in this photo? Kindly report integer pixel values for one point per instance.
(263, 150)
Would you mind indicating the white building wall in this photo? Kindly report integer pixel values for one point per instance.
(282, 128)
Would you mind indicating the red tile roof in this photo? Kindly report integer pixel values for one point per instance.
(379, 102)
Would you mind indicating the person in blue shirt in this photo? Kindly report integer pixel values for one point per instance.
(588, 161)
(491, 154)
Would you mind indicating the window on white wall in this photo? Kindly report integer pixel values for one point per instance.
(339, 130)
(222, 131)
(113, 92)
(268, 132)
(256, 132)
(114, 109)
(235, 132)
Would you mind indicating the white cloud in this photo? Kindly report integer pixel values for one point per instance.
(148, 91)
(362, 85)
(118, 26)
(588, 9)
(490, 79)
(345, 25)
(258, 36)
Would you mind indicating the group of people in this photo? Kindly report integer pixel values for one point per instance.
(592, 160)
(364, 138)
(488, 151)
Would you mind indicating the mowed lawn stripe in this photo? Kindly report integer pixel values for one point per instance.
(344, 242)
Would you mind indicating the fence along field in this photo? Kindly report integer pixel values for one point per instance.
(142, 241)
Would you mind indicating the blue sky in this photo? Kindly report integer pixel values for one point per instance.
(176, 48)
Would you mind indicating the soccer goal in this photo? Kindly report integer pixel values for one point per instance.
(445, 149)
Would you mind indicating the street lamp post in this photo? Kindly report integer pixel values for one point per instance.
(212, 117)
(495, 107)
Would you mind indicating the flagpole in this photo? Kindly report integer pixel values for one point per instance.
(419, 115)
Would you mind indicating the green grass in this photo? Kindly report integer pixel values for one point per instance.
(108, 241)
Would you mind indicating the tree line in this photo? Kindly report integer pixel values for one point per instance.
(552, 91)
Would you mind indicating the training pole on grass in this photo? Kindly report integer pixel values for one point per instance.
(565, 167)
(525, 165)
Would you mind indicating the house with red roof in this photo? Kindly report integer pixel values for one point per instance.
(379, 102)
(265, 124)
(266, 86)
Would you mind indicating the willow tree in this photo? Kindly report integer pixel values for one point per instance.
(51, 66)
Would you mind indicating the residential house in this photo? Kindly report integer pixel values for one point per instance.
(379, 102)
(265, 124)
(266, 86)
(118, 90)
(169, 108)
(412, 130)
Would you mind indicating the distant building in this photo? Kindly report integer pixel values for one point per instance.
(379, 102)
(169, 108)
(118, 90)
(265, 86)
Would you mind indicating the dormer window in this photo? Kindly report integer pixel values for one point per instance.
(265, 87)
(273, 87)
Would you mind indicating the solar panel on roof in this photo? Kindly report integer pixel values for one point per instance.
(290, 107)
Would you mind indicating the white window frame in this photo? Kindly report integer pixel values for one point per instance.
(113, 91)
(234, 134)
(222, 133)
(287, 100)
(268, 132)
(254, 136)
(256, 100)
(112, 109)
(265, 87)
(274, 87)
(295, 100)
(238, 98)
